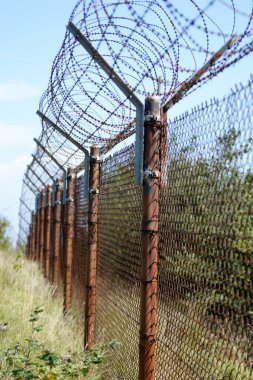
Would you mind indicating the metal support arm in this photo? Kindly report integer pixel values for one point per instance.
(85, 43)
(74, 142)
(43, 167)
(36, 175)
(59, 166)
(29, 179)
(186, 86)
(23, 203)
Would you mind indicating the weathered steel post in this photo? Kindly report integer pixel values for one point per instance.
(48, 230)
(90, 305)
(57, 209)
(41, 236)
(32, 253)
(68, 281)
(149, 270)
(37, 237)
(28, 244)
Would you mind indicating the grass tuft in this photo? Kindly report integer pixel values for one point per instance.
(22, 288)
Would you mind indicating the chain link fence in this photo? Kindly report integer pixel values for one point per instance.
(187, 217)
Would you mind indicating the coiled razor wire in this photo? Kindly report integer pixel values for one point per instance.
(154, 46)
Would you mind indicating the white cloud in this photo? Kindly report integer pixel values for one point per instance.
(16, 90)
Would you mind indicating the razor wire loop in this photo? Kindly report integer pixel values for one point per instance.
(124, 88)
(145, 43)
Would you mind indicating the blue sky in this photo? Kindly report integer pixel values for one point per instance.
(31, 33)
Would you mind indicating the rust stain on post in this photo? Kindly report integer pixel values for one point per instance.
(68, 281)
(163, 148)
(149, 270)
(56, 238)
(37, 232)
(28, 244)
(90, 305)
(32, 253)
(48, 230)
(42, 226)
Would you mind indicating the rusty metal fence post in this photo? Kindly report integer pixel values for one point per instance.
(149, 270)
(37, 233)
(56, 238)
(90, 304)
(32, 253)
(68, 281)
(48, 230)
(28, 243)
(41, 233)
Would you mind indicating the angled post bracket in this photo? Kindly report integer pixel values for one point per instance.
(85, 43)
(23, 203)
(59, 166)
(43, 167)
(22, 228)
(36, 175)
(21, 216)
(186, 86)
(74, 142)
(49, 175)
(29, 179)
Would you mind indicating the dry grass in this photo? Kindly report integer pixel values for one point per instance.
(22, 288)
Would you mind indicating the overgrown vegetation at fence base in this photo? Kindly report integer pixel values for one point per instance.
(37, 341)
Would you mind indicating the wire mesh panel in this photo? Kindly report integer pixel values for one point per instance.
(206, 244)
(118, 283)
(80, 248)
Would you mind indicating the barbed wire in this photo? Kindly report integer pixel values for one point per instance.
(153, 46)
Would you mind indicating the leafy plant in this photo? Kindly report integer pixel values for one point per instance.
(34, 361)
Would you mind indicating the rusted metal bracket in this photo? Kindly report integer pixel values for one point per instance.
(186, 86)
(117, 80)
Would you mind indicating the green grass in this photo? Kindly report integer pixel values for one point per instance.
(22, 290)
